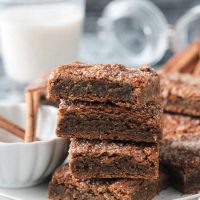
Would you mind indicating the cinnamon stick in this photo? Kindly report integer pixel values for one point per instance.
(30, 130)
(196, 71)
(36, 105)
(11, 127)
(33, 100)
(32, 107)
(191, 67)
(183, 60)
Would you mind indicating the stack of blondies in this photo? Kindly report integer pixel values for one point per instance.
(112, 115)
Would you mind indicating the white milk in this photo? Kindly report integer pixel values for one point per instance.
(36, 38)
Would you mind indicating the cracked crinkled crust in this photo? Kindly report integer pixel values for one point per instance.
(93, 189)
(181, 94)
(180, 85)
(150, 114)
(181, 144)
(179, 125)
(115, 83)
(145, 111)
(140, 152)
(111, 72)
(104, 159)
(63, 187)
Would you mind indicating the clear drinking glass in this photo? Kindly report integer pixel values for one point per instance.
(187, 29)
(37, 35)
(135, 31)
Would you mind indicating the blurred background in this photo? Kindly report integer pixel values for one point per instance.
(113, 34)
(172, 9)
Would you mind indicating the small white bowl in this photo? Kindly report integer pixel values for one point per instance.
(28, 164)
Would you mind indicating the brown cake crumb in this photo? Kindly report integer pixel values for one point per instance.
(112, 159)
(180, 151)
(98, 120)
(104, 83)
(64, 187)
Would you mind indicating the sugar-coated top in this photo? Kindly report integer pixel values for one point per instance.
(109, 72)
(181, 85)
(121, 187)
(179, 125)
(181, 145)
(140, 152)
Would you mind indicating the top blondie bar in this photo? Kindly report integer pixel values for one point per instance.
(104, 83)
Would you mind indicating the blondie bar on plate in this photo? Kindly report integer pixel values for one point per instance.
(63, 186)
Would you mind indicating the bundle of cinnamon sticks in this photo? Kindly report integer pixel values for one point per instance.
(185, 61)
(13, 128)
(32, 97)
(35, 95)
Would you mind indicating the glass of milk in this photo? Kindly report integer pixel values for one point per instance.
(38, 35)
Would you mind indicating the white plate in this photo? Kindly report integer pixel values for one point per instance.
(33, 193)
(41, 193)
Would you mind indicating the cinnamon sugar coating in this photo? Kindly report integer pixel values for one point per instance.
(181, 94)
(113, 159)
(95, 120)
(104, 83)
(64, 187)
(180, 151)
